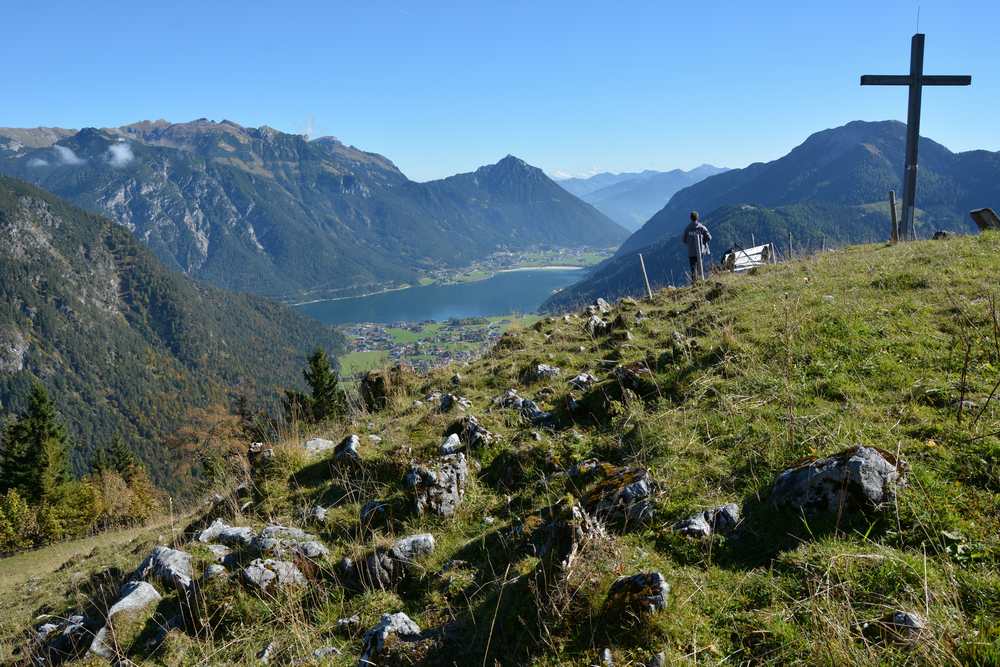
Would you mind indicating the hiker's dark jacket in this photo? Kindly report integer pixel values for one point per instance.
(697, 236)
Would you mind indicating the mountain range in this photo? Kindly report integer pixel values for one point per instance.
(124, 346)
(832, 189)
(257, 210)
(631, 198)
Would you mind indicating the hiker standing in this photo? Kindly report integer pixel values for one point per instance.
(696, 236)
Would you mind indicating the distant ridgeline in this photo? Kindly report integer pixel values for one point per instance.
(124, 346)
(261, 211)
(832, 190)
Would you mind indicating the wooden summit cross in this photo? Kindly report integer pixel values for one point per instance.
(915, 80)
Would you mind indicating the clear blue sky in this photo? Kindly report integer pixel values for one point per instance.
(442, 87)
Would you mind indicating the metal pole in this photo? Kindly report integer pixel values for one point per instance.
(894, 229)
(912, 137)
(642, 263)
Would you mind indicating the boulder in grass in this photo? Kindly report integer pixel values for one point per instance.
(316, 446)
(582, 381)
(639, 595)
(561, 539)
(125, 619)
(720, 520)
(539, 372)
(898, 627)
(451, 445)
(286, 541)
(391, 627)
(596, 327)
(856, 479)
(347, 449)
(222, 532)
(62, 640)
(618, 494)
(171, 567)
(268, 575)
(384, 569)
(438, 488)
(259, 453)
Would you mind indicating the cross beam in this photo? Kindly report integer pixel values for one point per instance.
(916, 80)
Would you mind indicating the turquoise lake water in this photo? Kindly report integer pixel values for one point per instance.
(511, 292)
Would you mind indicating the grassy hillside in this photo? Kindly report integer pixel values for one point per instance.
(748, 375)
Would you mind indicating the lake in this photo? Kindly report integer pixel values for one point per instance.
(521, 291)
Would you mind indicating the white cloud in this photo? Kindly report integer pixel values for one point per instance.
(65, 155)
(120, 154)
(37, 162)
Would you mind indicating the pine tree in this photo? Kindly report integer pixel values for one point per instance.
(35, 457)
(327, 398)
(116, 457)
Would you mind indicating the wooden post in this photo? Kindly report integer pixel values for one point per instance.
(642, 263)
(894, 229)
(789, 244)
(701, 266)
(753, 241)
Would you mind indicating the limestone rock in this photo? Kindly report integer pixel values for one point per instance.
(219, 552)
(258, 453)
(373, 513)
(222, 532)
(124, 619)
(61, 640)
(596, 326)
(214, 571)
(318, 514)
(562, 537)
(640, 594)
(620, 495)
(347, 449)
(267, 574)
(721, 520)
(284, 541)
(451, 445)
(855, 479)
(316, 446)
(385, 568)
(398, 626)
(538, 372)
(171, 567)
(583, 381)
(451, 401)
(438, 488)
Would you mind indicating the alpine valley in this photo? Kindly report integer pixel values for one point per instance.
(257, 210)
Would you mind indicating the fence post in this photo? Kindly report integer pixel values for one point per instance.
(894, 229)
(642, 263)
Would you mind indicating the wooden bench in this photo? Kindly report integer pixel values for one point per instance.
(738, 260)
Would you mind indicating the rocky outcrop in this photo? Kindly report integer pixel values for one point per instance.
(638, 595)
(269, 575)
(384, 569)
(619, 495)
(317, 446)
(171, 567)
(397, 627)
(379, 387)
(562, 537)
(286, 541)
(856, 479)
(125, 619)
(539, 372)
(720, 520)
(223, 533)
(347, 450)
(438, 488)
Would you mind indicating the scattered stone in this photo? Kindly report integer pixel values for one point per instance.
(640, 594)
(901, 627)
(373, 512)
(583, 381)
(266, 653)
(456, 379)
(219, 552)
(347, 450)
(721, 520)
(535, 415)
(470, 432)
(319, 654)
(623, 495)
(65, 639)
(384, 569)
(398, 626)
(220, 531)
(124, 619)
(318, 514)
(539, 372)
(375, 439)
(451, 444)
(315, 446)
(855, 479)
(440, 487)
(171, 567)
(607, 660)
(264, 574)
(285, 541)
(509, 399)
(258, 453)
(348, 626)
(214, 571)
(450, 401)
(596, 326)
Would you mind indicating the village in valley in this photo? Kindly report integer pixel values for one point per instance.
(423, 345)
